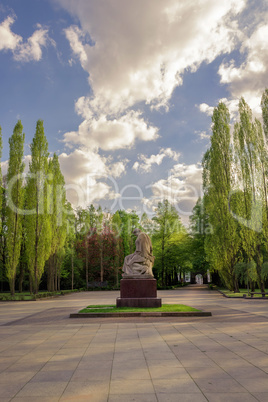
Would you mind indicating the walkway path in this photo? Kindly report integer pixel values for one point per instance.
(46, 356)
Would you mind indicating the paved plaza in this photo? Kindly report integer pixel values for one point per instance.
(47, 356)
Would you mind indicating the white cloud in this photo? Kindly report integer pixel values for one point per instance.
(112, 134)
(23, 51)
(146, 163)
(250, 78)
(32, 49)
(182, 188)
(8, 39)
(75, 37)
(138, 52)
(90, 177)
(203, 135)
(232, 105)
(204, 108)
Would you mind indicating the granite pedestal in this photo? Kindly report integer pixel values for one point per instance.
(138, 293)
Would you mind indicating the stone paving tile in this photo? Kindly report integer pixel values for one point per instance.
(182, 397)
(218, 385)
(158, 372)
(246, 372)
(93, 390)
(99, 373)
(11, 377)
(231, 397)
(34, 399)
(130, 372)
(255, 384)
(262, 397)
(9, 390)
(123, 356)
(48, 376)
(129, 387)
(178, 385)
(49, 389)
(132, 398)
(208, 373)
(29, 366)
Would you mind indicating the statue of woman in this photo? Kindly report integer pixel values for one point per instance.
(141, 262)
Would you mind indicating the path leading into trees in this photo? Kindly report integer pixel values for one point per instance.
(46, 356)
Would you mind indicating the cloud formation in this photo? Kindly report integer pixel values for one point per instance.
(23, 51)
(249, 79)
(137, 53)
(145, 164)
(182, 188)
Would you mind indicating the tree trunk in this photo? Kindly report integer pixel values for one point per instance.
(21, 277)
(72, 262)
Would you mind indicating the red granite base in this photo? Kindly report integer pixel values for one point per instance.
(138, 293)
(138, 288)
(152, 302)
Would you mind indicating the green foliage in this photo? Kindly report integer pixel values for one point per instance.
(37, 220)
(15, 200)
(222, 244)
(167, 236)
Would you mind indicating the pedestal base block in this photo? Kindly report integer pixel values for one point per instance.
(138, 293)
(152, 302)
(138, 288)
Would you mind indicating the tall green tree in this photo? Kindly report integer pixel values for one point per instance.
(37, 220)
(251, 164)
(15, 200)
(2, 215)
(223, 244)
(167, 231)
(1, 179)
(199, 228)
(58, 222)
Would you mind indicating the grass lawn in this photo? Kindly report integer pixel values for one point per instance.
(111, 308)
(229, 293)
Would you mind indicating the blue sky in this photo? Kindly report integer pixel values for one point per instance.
(126, 89)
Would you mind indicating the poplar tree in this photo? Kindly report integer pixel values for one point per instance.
(37, 222)
(58, 223)
(15, 199)
(1, 180)
(251, 173)
(1, 217)
(222, 245)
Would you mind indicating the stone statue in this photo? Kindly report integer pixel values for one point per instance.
(140, 263)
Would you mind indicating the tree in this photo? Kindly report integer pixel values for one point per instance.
(15, 199)
(37, 222)
(58, 223)
(1, 180)
(199, 228)
(168, 227)
(251, 161)
(223, 244)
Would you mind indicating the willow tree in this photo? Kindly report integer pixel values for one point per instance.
(37, 220)
(251, 160)
(15, 199)
(222, 244)
(58, 223)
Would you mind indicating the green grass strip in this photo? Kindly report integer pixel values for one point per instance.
(111, 308)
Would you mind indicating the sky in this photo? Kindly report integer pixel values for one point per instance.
(126, 89)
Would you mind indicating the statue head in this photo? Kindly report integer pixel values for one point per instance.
(136, 232)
